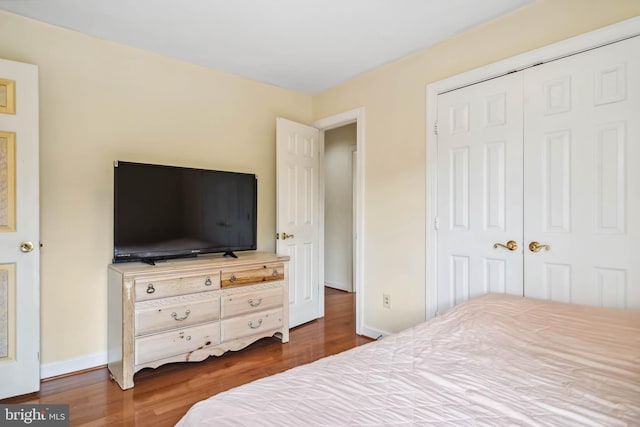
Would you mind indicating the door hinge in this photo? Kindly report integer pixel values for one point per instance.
(436, 223)
(435, 127)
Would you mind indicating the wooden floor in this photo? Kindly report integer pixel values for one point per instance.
(161, 396)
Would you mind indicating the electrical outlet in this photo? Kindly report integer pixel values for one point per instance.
(386, 300)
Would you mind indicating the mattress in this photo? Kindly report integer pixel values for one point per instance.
(493, 360)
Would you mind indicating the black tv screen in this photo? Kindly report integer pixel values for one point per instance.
(165, 212)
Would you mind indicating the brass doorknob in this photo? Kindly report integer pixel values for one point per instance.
(537, 247)
(512, 245)
(26, 246)
(285, 236)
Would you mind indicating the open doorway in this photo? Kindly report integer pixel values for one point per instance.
(339, 207)
(355, 258)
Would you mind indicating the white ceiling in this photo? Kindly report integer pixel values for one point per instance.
(304, 45)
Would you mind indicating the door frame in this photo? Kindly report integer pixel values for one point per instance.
(354, 217)
(345, 118)
(606, 35)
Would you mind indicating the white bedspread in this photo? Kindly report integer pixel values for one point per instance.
(494, 360)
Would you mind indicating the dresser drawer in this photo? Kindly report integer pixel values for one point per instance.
(251, 324)
(176, 285)
(176, 312)
(247, 302)
(179, 341)
(251, 276)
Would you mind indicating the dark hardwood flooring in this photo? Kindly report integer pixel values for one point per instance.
(162, 396)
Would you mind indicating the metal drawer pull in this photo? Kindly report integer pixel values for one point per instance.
(275, 273)
(252, 326)
(175, 315)
(254, 303)
(150, 288)
(207, 282)
(232, 278)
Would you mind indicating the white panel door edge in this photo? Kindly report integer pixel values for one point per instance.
(19, 269)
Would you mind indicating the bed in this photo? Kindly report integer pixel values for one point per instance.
(493, 360)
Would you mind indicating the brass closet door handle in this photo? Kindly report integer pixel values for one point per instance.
(537, 247)
(511, 245)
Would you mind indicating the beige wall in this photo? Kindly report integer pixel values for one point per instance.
(339, 145)
(100, 101)
(394, 98)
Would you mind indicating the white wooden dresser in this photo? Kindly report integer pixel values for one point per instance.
(189, 309)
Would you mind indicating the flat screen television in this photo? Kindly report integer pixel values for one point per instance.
(163, 212)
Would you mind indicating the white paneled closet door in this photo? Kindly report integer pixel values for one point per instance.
(480, 190)
(582, 177)
(549, 158)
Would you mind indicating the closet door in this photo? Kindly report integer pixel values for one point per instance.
(480, 190)
(582, 177)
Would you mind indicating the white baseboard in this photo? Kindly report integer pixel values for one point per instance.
(340, 286)
(53, 369)
(374, 333)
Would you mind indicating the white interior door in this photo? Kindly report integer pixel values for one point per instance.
(479, 200)
(582, 180)
(19, 230)
(298, 215)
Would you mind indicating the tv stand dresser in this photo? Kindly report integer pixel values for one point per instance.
(189, 309)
